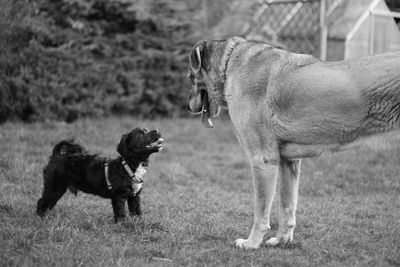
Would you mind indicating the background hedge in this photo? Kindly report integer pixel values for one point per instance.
(67, 59)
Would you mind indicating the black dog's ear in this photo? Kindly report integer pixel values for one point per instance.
(122, 147)
(198, 56)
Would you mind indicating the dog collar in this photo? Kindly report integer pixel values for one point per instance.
(230, 46)
(128, 169)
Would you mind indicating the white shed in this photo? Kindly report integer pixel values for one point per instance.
(364, 27)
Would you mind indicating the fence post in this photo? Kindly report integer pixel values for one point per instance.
(371, 36)
(324, 30)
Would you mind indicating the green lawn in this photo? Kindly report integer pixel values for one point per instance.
(197, 201)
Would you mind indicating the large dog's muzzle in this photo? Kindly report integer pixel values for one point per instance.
(196, 101)
(199, 104)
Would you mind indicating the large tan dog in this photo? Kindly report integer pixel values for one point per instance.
(286, 106)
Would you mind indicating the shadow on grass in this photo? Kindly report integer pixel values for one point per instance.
(6, 210)
(139, 226)
(291, 246)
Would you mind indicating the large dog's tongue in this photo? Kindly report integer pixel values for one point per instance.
(205, 113)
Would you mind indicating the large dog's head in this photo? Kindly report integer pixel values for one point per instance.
(208, 62)
(139, 144)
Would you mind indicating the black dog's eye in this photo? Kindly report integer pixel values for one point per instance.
(142, 132)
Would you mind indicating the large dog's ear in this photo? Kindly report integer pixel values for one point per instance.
(197, 56)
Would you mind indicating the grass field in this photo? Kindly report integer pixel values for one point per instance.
(197, 200)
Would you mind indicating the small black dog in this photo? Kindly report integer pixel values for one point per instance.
(120, 179)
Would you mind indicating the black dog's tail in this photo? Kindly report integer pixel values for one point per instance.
(68, 147)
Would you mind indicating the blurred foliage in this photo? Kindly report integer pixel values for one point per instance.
(65, 59)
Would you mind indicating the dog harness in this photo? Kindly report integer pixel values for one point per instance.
(109, 186)
(136, 178)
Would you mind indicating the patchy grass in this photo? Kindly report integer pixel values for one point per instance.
(197, 201)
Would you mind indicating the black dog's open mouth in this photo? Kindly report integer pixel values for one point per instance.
(156, 144)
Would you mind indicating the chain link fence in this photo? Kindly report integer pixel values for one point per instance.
(298, 25)
(295, 24)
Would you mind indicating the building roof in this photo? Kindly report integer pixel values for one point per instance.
(350, 12)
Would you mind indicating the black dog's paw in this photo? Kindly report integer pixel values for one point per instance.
(41, 214)
(120, 219)
(40, 210)
(73, 190)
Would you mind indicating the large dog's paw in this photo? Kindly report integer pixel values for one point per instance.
(246, 244)
(280, 240)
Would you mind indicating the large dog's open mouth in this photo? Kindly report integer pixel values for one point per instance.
(205, 111)
(206, 114)
(156, 144)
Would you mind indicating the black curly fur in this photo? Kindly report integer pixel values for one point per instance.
(68, 146)
(71, 166)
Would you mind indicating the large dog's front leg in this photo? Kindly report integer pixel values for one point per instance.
(288, 202)
(265, 172)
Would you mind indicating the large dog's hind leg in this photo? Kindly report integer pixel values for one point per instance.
(288, 202)
(265, 172)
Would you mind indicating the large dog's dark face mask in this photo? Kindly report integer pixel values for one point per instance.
(207, 72)
(140, 142)
(206, 96)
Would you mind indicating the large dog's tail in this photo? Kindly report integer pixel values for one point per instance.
(68, 147)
